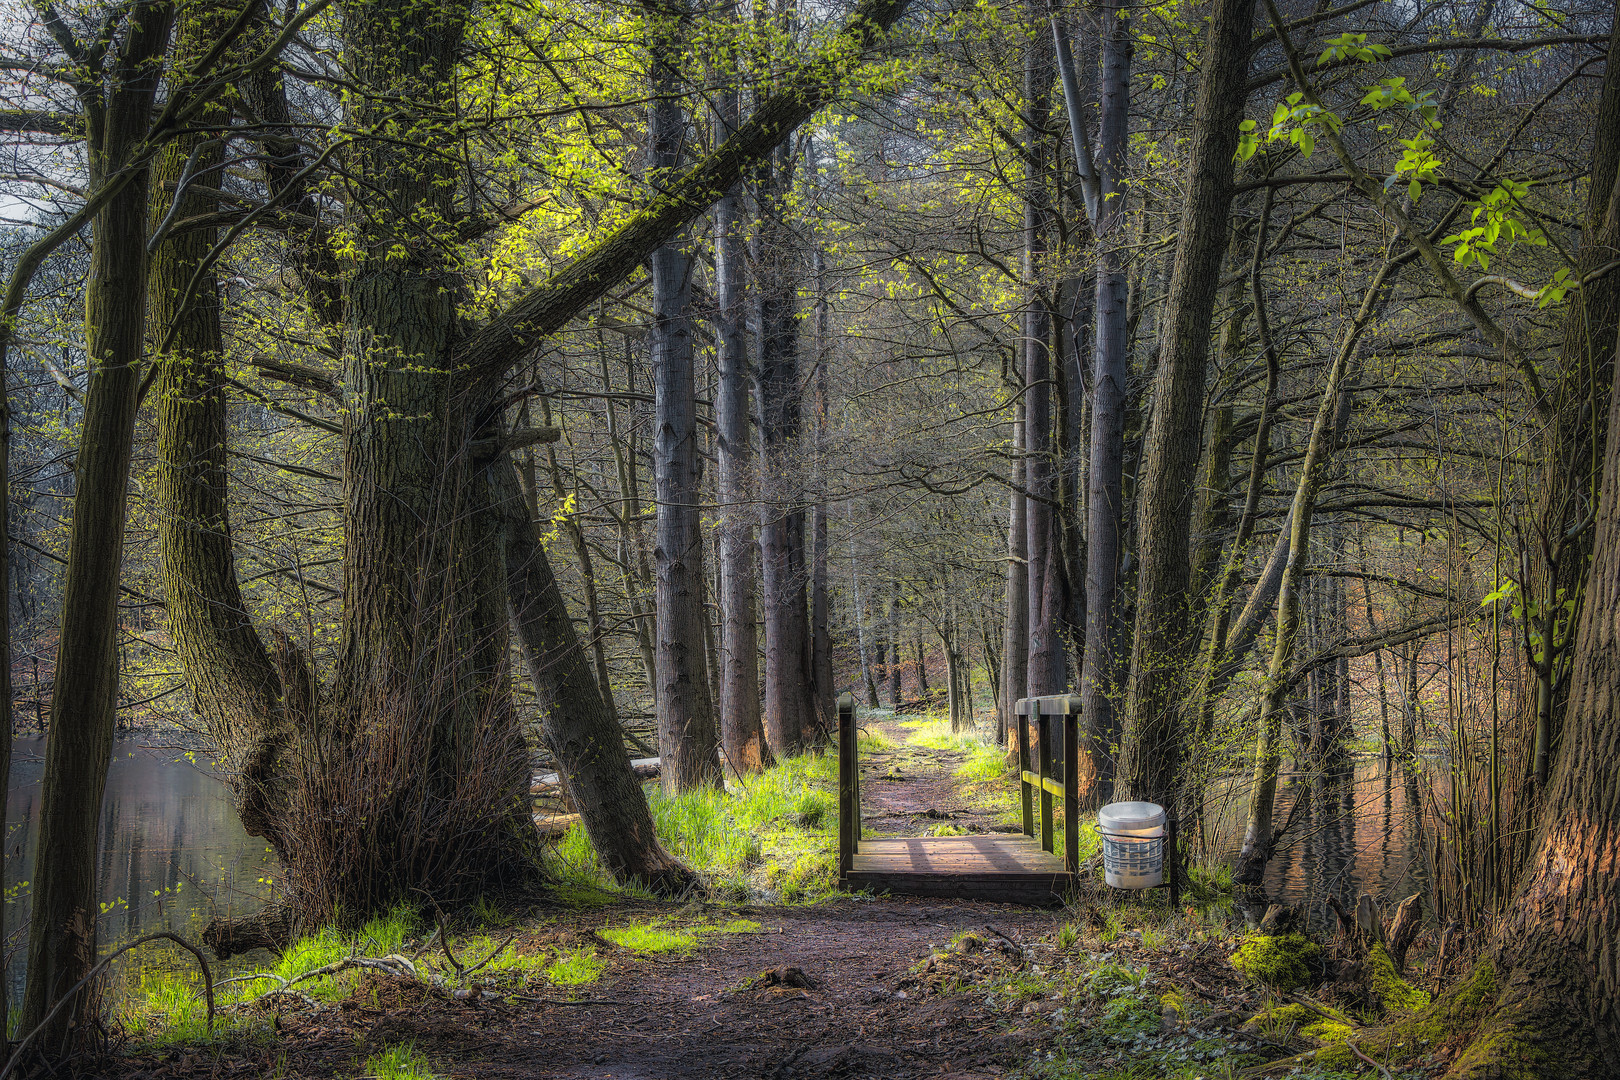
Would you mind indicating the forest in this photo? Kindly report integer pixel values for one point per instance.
(512, 508)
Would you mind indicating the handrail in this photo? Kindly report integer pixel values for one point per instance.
(1043, 710)
(849, 785)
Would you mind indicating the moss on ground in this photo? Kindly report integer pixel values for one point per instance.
(1283, 962)
(1393, 993)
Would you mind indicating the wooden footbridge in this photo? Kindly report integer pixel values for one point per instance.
(1019, 868)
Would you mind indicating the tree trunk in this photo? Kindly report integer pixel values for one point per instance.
(234, 685)
(1326, 430)
(1561, 549)
(895, 663)
(1162, 644)
(1015, 633)
(578, 728)
(821, 665)
(743, 734)
(868, 662)
(789, 707)
(1110, 363)
(1046, 659)
(1556, 957)
(688, 738)
(84, 701)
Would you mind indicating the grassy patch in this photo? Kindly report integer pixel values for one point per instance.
(577, 968)
(651, 938)
(399, 1063)
(769, 837)
(986, 763)
(936, 734)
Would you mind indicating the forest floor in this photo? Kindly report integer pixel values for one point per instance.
(839, 987)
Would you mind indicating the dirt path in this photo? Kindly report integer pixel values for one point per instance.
(907, 790)
(871, 1001)
(864, 1009)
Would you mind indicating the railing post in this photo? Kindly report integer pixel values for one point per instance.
(1022, 709)
(849, 800)
(1043, 725)
(1071, 786)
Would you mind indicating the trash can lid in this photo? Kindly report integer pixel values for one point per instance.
(1126, 816)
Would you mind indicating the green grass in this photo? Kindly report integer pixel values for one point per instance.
(577, 968)
(650, 937)
(985, 764)
(936, 734)
(768, 837)
(398, 1063)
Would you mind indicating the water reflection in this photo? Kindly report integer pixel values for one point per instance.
(172, 851)
(1354, 830)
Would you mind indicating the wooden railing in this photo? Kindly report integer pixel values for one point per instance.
(1041, 712)
(849, 784)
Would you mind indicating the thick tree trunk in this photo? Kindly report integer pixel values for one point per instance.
(84, 702)
(688, 737)
(1100, 668)
(1556, 956)
(1561, 551)
(1163, 642)
(234, 685)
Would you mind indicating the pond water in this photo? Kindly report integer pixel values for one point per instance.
(1359, 829)
(172, 851)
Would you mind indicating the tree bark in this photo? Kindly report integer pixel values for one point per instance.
(688, 737)
(1556, 957)
(234, 686)
(1046, 657)
(743, 734)
(1259, 833)
(579, 729)
(789, 706)
(1015, 632)
(1100, 667)
(84, 702)
(1573, 440)
(1162, 643)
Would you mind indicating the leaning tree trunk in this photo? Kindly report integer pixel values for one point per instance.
(688, 739)
(233, 683)
(84, 704)
(1163, 643)
(578, 726)
(1326, 431)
